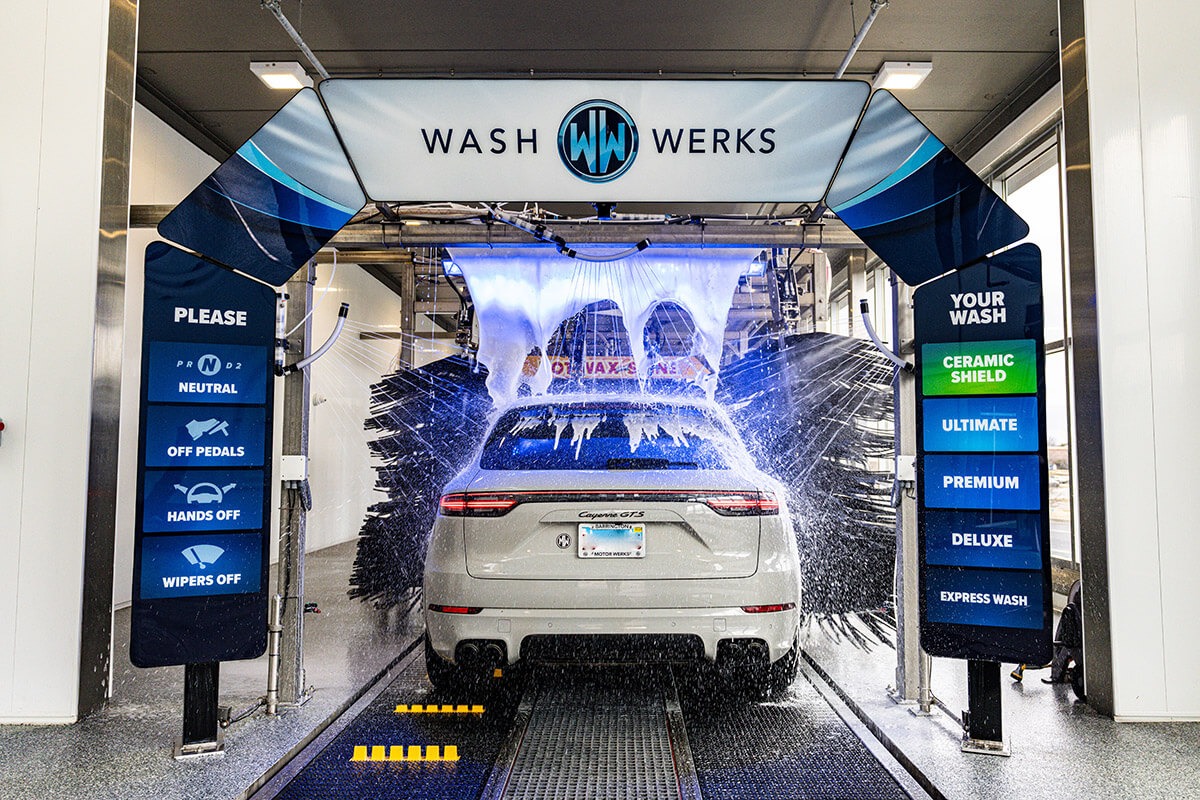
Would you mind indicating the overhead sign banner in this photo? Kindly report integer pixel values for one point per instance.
(982, 490)
(915, 203)
(287, 191)
(574, 140)
(275, 202)
(200, 542)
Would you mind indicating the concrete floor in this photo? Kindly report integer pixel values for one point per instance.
(125, 751)
(1061, 748)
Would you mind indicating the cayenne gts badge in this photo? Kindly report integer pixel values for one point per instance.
(563, 541)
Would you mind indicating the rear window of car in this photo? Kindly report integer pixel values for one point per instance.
(605, 437)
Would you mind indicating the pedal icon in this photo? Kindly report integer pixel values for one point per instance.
(206, 427)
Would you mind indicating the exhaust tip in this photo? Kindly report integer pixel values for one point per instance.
(493, 653)
(468, 652)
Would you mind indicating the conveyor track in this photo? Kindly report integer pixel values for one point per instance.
(589, 733)
(584, 734)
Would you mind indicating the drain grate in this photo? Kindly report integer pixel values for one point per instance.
(587, 745)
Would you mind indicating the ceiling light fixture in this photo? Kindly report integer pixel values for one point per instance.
(281, 74)
(902, 74)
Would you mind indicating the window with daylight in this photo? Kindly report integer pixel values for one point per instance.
(1033, 185)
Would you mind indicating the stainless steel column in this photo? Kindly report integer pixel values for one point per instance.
(292, 514)
(1085, 361)
(408, 317)
(820, 293)
(856, 273)
(95, 641)
(908, 632)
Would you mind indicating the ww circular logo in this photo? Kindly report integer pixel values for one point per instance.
(597, 141)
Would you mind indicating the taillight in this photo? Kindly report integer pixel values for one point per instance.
(465, 504)
(454, 609)
(743, 504)
(767, 609)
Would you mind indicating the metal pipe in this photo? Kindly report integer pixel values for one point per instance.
(274, 635)
(924, 678)
(280, 331)
(880, 346)
(333, 337)
(876, 7)
(540, 232)
(273, 7)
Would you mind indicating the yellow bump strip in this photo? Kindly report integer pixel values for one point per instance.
(399, 752)
(436, 709)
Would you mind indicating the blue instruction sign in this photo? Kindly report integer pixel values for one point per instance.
(186, 372)
(204, 463)
(981, 424)
(984, 597)
(983, 480)
(1008, 540)
(201, 436)
(203, 500)
(199, 565)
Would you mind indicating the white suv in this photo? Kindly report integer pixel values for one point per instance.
(612, 529)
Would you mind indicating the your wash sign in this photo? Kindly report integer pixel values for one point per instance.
(981, 479)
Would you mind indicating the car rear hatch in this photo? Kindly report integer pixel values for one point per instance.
(618, 525)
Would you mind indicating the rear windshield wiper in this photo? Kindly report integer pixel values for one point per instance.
(649, 463)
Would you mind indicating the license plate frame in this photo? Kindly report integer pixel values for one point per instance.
(611, 541)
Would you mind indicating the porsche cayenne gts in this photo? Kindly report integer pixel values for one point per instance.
(612, 529)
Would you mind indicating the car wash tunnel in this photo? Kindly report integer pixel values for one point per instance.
(641, 471)
(606, 433)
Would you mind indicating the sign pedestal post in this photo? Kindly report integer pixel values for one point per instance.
(201, 732)
(983, 728)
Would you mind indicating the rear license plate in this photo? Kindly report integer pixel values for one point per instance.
(612, 541)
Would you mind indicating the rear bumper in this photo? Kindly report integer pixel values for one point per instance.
(708, 625)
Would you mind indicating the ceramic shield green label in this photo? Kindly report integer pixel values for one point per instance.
(1001, 367)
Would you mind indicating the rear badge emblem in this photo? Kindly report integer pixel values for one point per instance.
(563, 541)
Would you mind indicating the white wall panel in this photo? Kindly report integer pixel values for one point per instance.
(1144, 124)
(22, 57)
(53, 59)
(340, 470)
(1170, 117)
